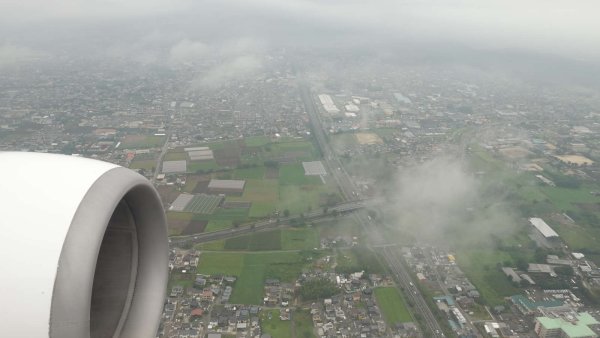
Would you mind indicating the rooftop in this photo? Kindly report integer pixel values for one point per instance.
(174, 166)
(227, 184)
(575, 327)
(314, 168)
(542, 227)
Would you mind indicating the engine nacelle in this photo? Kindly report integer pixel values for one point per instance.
(84, 249)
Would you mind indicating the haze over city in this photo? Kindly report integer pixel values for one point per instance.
(326, 168)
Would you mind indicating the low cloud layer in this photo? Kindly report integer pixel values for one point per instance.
(237, 68)
(559, 27)
(439, 201)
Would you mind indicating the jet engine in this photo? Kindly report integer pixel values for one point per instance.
(84, 249)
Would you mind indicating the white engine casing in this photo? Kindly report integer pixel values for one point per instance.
(84, 249)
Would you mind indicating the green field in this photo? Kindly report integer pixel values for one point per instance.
(175, 156)
(259, 241)
(216, 225)
(341, 226)
(257, 141)
(142, 141)
(143, 164)
(261, 209)
(563, 198)
(180, 279)
(252, 269)
(247, 173)
(202, 166)
(479, 265)
(392, 305)
(303, 324)
(217, 245)
(271, 324)
(299, 199)
(264, 190)
(299, 239)
(233, 214)
(293, 174)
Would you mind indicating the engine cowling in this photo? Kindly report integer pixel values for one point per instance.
(85, 249)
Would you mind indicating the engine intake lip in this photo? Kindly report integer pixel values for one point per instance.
(71, 313)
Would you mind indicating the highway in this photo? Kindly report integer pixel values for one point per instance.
(350, 192)
(412, 292)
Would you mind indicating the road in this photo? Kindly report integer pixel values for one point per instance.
(159, 160)
(412, 292)
(350, 192)
(336, 169)
(263, 225)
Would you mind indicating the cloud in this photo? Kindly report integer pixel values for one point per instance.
(439, 200)
(237, 68)
(18, 11)
(187, 51)
(561, 27)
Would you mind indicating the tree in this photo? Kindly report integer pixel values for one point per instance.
(522, 264)
(318, 289)
(286, 213)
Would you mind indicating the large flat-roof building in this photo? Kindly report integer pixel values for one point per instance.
(314, 168)
(170, 167)
(543, 228)
(570, 326)
(199, 153)
(226, 186)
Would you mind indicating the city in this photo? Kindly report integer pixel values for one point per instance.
(320, 193)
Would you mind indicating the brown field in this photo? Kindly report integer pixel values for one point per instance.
(575, 159)
(228, 156)
(178, 221)
(167, 193)
(514, 152)
(368, 138)
(201, 187)
(196, 183)
(194, 227)
(589, 207)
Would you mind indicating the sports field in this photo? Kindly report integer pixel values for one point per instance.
(392, 305)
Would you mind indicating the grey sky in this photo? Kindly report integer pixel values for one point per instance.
(561, 27)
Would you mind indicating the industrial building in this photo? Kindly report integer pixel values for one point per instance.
(199, 153)
(314, 168)
(170, 167)
(226, 186)
(543, 228)
(328, 104)
(575, 325)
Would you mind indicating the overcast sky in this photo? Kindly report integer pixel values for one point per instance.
(154, 29)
